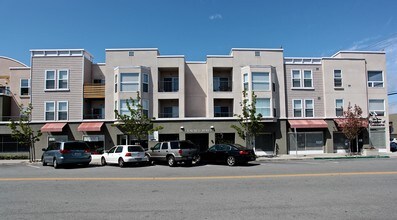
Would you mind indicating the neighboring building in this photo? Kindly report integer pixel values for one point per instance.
(301, 99)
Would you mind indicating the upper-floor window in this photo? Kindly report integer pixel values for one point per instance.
(63, 110)
(245, 81)
(339, 107)
(375, 79)
(145, 107)
(297, 107)
(263, 107)
(145, 83)
(300, 80)
(123, 110)
(49, 111)
(221, 84)
(309, 108)
(257, 53)
(222, 111)
(63, 78)
(338, 79)
(115, 83)
(377, 106)
(260, 81)
(129, 82)
(57, 79)
(50, 79)
(171, 84)
(170, 112)
(25, 87)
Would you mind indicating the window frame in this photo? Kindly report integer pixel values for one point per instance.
(377, 110)
(46, 80)
(292, 78)
(45, 110)
(301, 108)
(339, 108)
(144, 82)
(338, 78)
(373, 82)
(304, 79)
(24, 87)
(264, 82)
(305, 108)
(131, 83)
(58, 79)
(60, 111)
(245, 82)
(265, 107)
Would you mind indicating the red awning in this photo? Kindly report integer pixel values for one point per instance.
(90, 126)
(53, 127)
(305, 123)
(342, 121)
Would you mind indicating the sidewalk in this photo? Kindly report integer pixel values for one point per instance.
(324, 157)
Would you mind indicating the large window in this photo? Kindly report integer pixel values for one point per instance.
(49, 111)
(63, 110)
(338, 79)
(25, 87)
(300, 80)
(57, 79)
(377, 106)
(309, 108)
(124, 107)
(303, 141)
(129, 82)
(50, 79)
(297, 107)
(263, 107)
(260, 81)
(339, 107)
(171, 84)
(170, 112)
(63, 77)
(375, 79)
(221, 111)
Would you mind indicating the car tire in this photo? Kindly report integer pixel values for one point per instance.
(171, 161)
(103, 161)
(55, 163)
(121, 162)
(231, 161)
(196, 160)
(43, 162)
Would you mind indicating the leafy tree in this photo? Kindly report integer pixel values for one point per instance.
(136, 123)
(353, 123)
(23, 133)
(249, 122)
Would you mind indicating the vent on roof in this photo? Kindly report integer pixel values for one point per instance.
(131, 53)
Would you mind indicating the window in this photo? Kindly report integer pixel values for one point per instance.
(129, 82)
(50, 79)
(49, 111)
(171, 112)
(63, 77)
(145, 83)
(99, 81)
(63, 110)
(124, 107)
(221, 84)
(25, 87)
(302, 81)
(260, 81)
(119, 150)
(263, 107)
(297, 107)
(375, 79)
(377, 106)
(131, 53)
(339, 107)
(115, 84)
(245, 81)
(145, 107)
(171, 84)
(309, 108)
(221, 111)
(257, 53)
(338, 79)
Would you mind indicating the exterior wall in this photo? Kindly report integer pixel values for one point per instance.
(196, 79)
(15, 83)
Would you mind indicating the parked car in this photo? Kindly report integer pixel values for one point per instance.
(393, 146)
(231, 154)
(124, 154)
(69, 152)
(174, 151)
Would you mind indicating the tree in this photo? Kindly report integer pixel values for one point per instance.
(249, 122)
(353, 124)
(136, 123)
(23, 133)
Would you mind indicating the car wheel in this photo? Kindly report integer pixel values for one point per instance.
(196, 160)
(171, 161)
(43, 162)
(103, 161)
(55, 163)
(121, 162)
(231, 161)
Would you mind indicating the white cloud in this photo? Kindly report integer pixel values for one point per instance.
(215, 16)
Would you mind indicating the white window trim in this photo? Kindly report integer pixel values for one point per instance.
(378, 110)
(45, 110)
(372, 82)
(343, 104)
(270, 107)
(67, 110)
(292, 78)
(20, 87)
(341, 79)
(303, 79)
(304, 107)
(268, 82)
(246, 82)
(293, 108)
(57, 79)
(130, 82)
(143, 82)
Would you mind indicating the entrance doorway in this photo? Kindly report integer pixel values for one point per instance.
(199, 139)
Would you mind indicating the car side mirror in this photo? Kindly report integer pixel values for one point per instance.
(152, 148)
(43, 149)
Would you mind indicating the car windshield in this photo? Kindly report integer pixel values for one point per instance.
(239, 147)
(75, 146)
(135, 149)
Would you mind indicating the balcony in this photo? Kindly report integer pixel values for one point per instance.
(94, 91)
(222, 79)
(223, 107)
(94, 116)
(168, 108)
(168, 79)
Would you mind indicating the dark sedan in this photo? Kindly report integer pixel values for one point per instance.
(229, 153)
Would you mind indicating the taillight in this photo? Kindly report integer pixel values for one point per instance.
(87, 151)
(64, 151)
(180, 152)
(243, 152)
(128, 154)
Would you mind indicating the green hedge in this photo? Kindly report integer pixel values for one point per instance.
(13, 157)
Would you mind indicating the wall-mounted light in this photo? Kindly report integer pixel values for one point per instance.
(212, 127)
(182, 128)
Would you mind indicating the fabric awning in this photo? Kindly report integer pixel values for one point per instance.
(90, 126)
(342, 121)
(53, 127)
(306, 123)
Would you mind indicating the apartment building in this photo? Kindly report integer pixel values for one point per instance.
(301, 99)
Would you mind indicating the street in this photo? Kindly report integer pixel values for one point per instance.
(306, 189)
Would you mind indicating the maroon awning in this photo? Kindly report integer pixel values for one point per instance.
(90, 126)
(53, 127)
(306, 123)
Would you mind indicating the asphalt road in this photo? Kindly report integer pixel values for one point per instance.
(310, 189)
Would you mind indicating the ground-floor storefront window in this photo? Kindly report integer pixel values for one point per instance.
(377, 136)
(54, 138)
(264, 144)
(96, 143)
(306, 142)
(225, 138)
(10, 145)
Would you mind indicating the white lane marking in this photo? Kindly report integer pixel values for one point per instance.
(33, 166)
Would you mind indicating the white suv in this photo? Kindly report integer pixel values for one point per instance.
(124, 154)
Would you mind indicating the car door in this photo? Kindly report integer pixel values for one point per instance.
(221, 153)
(47, 153)
(109, 156)
(210, 154)
(155, 152)
(164, 150)
(117, 154)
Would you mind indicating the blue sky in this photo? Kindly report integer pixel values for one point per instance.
(203, 27)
